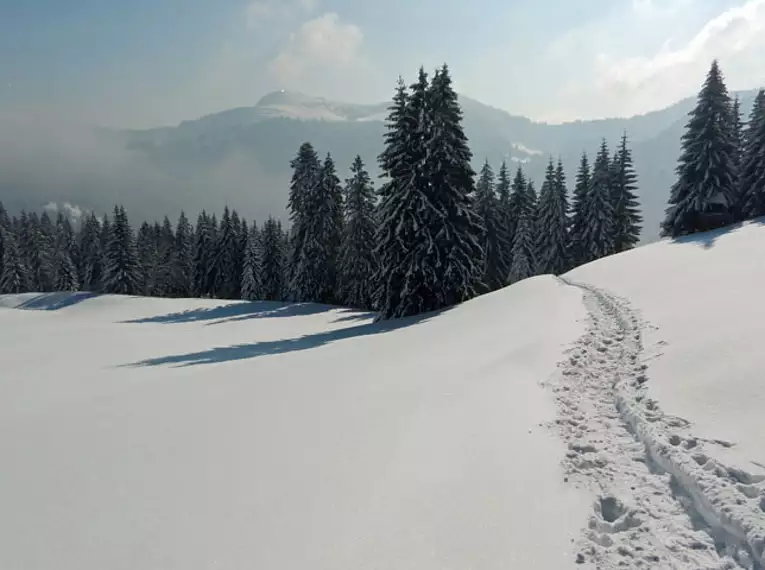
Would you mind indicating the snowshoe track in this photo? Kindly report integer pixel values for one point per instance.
(662, 502)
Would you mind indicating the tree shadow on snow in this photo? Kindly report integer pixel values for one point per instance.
(707, 239)
(254, 350)
(55, 301)
(236, 311)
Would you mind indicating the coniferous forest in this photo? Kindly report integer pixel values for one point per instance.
(432, 234)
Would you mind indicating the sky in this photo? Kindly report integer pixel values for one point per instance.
(157, 62)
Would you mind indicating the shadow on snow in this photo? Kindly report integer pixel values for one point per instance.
(236, 311)
(55, 301)
(707, 239)
(254, 350)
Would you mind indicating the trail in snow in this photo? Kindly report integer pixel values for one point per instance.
(662, 503)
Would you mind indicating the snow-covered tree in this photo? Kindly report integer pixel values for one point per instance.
(598, 235)
(183, 267)
(322, 231)
(306, 176)
(272, 260)
(13, 278)
(752, 180)
(505, 215)
(251, 286)
(65, 272)
(627, 217)
(552, 226)
(523, 263)
(91, 255)
(706, 171)
(519, 199)
(146, 246)
(5, 226)
(358, 263)
(122, 272)
(37, 250)
(578, 221)
(227, 283)
(495, 241)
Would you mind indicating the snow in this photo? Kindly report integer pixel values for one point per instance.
(197, 434)
(611, 418)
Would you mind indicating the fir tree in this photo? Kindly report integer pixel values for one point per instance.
(37, 251)
(358, 264)
(627, 217)
(519, 199)
(505, 216)
(13, 278)
(552, 237)
(146, 246)
(65, 272)
(597, 239)
(272, 261)
(5, 226)
(578, 222)
(306, 175)
(123, 273)
(706, 171)
(495, 246)
(227, 283)
(183, 267)
(752, 189)
(165, 264)
(204, 255)
(523, 262)
(91, 255)
(251, 286)
(316, 262)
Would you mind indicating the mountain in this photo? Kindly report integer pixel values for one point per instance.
(609, 419)
(241, 156)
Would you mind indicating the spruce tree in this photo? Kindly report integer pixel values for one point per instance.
(578, 221)
(627, 217)
(227, 283)
(147, 259)
(552, 231)
(317, 261)
(358, 263)
(251, 285)
(123, 272)
(5, 226)
(91, 255)
(752, 180)
(505, 216)
(306, 175)
(523, 262)
(65, 272)
(496, 268)
(37, 251)
(183, 267)
(598, 236)
(272, 261)
(204, 255)
(165, 240)
(13, 278)
(706, 171)
(519, 200)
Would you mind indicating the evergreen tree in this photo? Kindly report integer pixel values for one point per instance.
(165, 261)
(552, 238)
(251, 286)
(752, 190)
(13, 278)
(204, 255)
(495, 246)
(183, 268)
(737, 127)
(91, 255)
(627, 217)
(578, 221)
(227, 283)
(272, 261)
(358, 264)
(65, 272)
(597, 239)
(706, 171)
(123, 272)
(37, 251)
(306, 175)
(505, 216)
(5, 226)
(523, 262)
(317, 261)
(146, 246)
(519, 199)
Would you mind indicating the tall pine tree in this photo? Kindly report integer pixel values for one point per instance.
(752, 180)
(13, 278)
(251, 285)
(123, 273)
(627, 217)
(358, 265)
(706, 171)
(183, 267)
(272, 261)
(495, 243)
(578, 221)
(552, 237)
(597, 238)
(505, 216)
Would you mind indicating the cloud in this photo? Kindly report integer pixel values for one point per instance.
(671, 60)
(323, 52)
(262, 11)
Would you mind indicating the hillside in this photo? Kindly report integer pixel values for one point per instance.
(610, 418)
(241, 156)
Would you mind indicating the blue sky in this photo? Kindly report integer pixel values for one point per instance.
(151, 62)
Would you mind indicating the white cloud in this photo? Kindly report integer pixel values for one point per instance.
(259, 12)
(322, 51)
(674, 60)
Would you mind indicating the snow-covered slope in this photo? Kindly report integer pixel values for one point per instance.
(193, 434)
(181, 435)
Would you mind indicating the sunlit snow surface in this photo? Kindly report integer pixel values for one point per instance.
(149, 434)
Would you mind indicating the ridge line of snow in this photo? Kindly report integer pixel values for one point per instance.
(726, 499)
